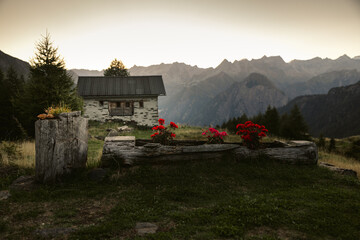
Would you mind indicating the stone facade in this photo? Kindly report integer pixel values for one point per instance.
(98, 109)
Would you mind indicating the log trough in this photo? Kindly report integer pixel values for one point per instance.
(120, 151)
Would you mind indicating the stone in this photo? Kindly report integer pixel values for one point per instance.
(125, 129)
(53, 232)
(97, 174)
(143, 228)
(23, 183)
(113, 133)
(342, 171)
(5, 194)
(61, 146)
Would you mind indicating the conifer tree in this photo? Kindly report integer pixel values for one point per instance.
(12, 86)
(116, 69)
(293, 126)
(49, 84)
(272, 120)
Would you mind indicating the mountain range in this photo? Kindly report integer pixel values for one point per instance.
(203, 96)
(335, 114)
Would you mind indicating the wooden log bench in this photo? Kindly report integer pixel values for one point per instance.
(127, 151)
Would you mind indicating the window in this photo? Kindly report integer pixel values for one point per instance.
(141, 104)
(121, 108)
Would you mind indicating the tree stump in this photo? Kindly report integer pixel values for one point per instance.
(61, 146)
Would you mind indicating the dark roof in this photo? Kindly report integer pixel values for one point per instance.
(121, 86)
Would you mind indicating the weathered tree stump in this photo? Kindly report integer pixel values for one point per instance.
(61, 146)
(125, 151)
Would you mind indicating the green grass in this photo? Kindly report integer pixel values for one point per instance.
(223, 199)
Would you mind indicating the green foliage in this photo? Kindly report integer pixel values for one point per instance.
(272, 120)
(49, 84)
(332, 145)
(321, 142)
(293, 126)
(11, 87)
(290, 126)
(116, 69)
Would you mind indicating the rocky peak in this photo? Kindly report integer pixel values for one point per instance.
(257, 79)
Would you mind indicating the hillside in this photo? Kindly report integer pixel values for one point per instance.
(335, 114)
(321, 84)
(20, 66)
(250, 96)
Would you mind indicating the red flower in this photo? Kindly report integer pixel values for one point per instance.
(155, 128)
(161, 127)
(172, 124)
(262, 134)
(264, 130)
(156, 133)
(161, 121)
(173, 135)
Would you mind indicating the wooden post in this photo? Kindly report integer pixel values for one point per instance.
(61, 145)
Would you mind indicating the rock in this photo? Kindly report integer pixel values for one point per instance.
(61, 146)
(53, 232)
(342, 171)
(113, 133)
(143, 228)
(23, 183)
(125, 129)
(98, 174)
(100, 138)
(4, 195)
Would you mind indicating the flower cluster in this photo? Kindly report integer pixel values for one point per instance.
(251, 133)
(163, 135)
(214, 136)
(52, 112)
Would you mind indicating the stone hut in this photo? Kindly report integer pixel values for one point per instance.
(129, 99)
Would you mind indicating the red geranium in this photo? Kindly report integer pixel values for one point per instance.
(214, 136)
(251, 134)
(163, 135)
(161, 121)
(172, 124)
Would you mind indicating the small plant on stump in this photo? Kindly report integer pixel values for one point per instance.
(162, 134)
(53, 112)
(214, 136)
(251, 134)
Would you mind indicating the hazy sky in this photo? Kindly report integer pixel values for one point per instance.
(91, 33)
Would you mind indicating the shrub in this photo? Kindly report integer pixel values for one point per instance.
(214, 136)
(53, 112)
(163, 135)
(251, 134)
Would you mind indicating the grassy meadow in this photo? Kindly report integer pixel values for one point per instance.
(223, 199)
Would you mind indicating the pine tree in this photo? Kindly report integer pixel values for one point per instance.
(116, 69)
(272, 120)
(49, 84)
(293, 126)
(12, 86)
